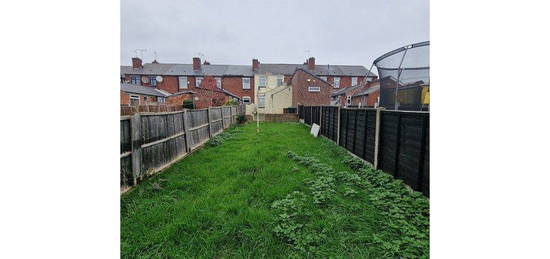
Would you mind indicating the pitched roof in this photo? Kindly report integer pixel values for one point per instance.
(369, 90)
(345, 90)
(242, 70)
(320, 70)
(143, 90)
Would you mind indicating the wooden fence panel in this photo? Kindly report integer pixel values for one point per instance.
(403, 148)
(315, 112)
(226, 116)
(125, 152)
(198, 131)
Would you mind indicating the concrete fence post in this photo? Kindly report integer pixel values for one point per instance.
(136, 148)
(377, 136)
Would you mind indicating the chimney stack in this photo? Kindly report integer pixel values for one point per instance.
(196, 63)
(206, 63)
(311, 63)
(136, 63)
(255, 64)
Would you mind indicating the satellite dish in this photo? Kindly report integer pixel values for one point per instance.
(159, 78)
(145, 79)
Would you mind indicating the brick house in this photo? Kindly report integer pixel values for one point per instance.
(203, 96)
(309, 89)
(140, 95)
(272, 79)
(235, 81)
(368, 96)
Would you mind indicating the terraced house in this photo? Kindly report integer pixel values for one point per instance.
(272, 87)
(234, 81)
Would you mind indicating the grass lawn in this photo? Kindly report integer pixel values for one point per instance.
(249, 197)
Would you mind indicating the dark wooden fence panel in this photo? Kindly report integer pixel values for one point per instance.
(315, 113)
(125, 136)
(125, 149)
(403, 139)
(301, 112)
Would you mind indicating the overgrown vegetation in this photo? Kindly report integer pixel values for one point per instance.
(241, 119)
(188, 104)
(222, 137)
(249, 197)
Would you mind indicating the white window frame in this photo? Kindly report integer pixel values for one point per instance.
(354, 79)
(132, 77)
(218, 82)
(246, 85)
(135, 97)
(261, 98)
(153, 79)
(197, 79)
(349, 100)
(247, 100)
(161, 99)
(260, 79)
(185, 84)
(336, 79)
(314, 89)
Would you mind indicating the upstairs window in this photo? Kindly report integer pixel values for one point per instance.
(198, 81)
(336, 82)
(182, 80)
(246, 84)
(280, 81)
(153, 81)
(135, 80)
(354, 80)
(219, 82)
(246, 99)
(261, 82)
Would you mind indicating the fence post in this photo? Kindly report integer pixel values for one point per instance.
(230, 115)
(377, 137)
(223, 118)
(209, 117)
(136, 148)
(186, 129)
(338, 126)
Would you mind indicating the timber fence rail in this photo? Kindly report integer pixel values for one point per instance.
(396, 142)
(150, 142)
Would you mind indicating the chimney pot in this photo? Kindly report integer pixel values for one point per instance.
(196, 63)
(136, 63)
(311, 63)
(255, 64)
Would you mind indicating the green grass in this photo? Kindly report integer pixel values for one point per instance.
(248, 197)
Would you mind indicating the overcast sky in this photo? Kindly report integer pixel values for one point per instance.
(342, 32)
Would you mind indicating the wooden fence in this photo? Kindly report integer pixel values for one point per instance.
(150, 142)
(396, 142)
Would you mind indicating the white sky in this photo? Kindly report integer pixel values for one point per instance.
(233, 32)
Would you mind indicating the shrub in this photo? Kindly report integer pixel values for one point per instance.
(232, 102)
(188, 104)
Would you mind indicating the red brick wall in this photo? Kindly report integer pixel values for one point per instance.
(234, 84)
(301, 95)
(125, 98)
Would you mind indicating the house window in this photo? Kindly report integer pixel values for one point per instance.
(134, 100)
(198, 81)
(354, 80)
(349, 100)
(262, 81)
(135, 80)
(324, 78)
(182, 80)
(280, 81)
(246, 99)
(152, 80)
(261, 101)
(246, 83)
(219, 82)
(161, 99)
(314, 89)
(336, 82)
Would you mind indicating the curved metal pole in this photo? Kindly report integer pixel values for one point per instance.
(395, 104)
